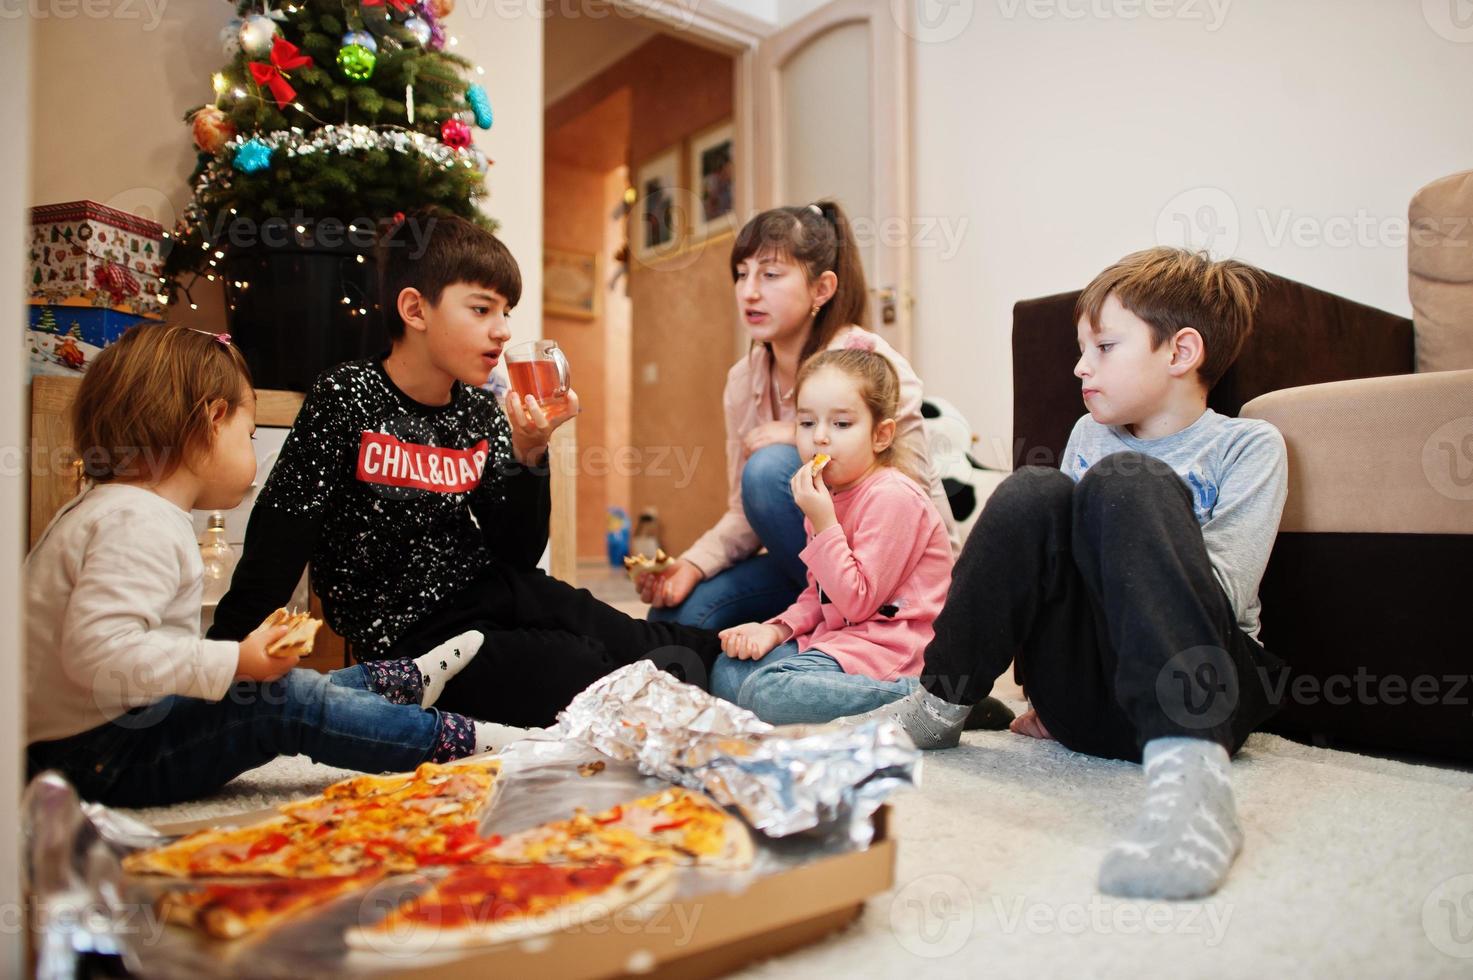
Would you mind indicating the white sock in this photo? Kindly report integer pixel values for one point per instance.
(444, 662)
(491, 737)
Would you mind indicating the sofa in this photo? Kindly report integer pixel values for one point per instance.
(1364, 593)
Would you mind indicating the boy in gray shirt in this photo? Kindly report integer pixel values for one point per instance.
(1124, 585)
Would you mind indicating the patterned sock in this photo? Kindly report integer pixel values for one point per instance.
(444, 662)
(1187, 837)
(931, 722)
(456, 740)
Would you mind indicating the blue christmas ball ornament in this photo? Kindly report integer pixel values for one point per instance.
(480, 104)
(361, 38)
(251, 156)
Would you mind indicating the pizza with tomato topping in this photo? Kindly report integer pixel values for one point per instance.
(231, 911)
(674, 824)
(484, 904)
(397, 823)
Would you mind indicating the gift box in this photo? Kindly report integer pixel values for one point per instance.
(85, 254)
(64, 340)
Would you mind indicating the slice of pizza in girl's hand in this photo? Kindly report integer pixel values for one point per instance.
(637, 565)
(299, 637)
(820, 460)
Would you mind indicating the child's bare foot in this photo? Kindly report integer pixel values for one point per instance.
(1029, 724)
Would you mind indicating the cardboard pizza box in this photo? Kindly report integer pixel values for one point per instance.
(705, 936)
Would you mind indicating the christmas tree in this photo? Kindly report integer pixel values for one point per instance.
(330, 116)
(48, 321)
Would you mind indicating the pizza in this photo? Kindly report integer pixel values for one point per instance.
(820, 460)
(297, 640)
(395, 823)
(230, 911)
(266, 848)
(484, 904)
(673, 825)
(637, 565)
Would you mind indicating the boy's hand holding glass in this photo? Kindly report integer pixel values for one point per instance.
(531, 429)
(753, 641)
(812, 496)
(254, 663)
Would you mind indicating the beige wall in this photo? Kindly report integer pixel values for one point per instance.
(109, 94)
(1061, 143)
(683, 318)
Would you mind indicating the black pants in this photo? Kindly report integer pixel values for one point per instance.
(1103, 595)
(545, 642)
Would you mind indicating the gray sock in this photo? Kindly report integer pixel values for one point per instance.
(1187, 836)
(931, 722)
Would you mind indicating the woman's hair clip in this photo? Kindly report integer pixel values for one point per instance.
(859, 340)
(816, 210)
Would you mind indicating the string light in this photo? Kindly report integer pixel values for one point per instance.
(480, 70)
(218, 80)
(360, 259)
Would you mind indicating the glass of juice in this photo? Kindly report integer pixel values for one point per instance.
(538, 368)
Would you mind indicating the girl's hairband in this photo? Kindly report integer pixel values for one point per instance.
(223, 338)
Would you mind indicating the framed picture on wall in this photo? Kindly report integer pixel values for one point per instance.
(658, 212)
(570, 284)
(714, 163)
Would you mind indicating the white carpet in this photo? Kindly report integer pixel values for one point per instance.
(999, 849)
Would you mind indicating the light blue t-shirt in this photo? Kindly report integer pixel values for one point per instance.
(1238, 472)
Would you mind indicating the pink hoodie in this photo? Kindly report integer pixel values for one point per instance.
(876, 580)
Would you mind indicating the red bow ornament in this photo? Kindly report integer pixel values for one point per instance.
(284, 57)
(115, 279)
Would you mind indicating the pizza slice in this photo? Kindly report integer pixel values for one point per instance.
(298, 639)
(820, 460)
(673, 825)
(270, 848)
(231, 911)
(485, 904)
(450, 792)
(637, 565)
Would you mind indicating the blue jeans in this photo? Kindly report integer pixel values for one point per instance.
(182, 748)
(791, 688)
(762, 586)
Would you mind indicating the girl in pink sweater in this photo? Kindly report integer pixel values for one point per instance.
(878, 559)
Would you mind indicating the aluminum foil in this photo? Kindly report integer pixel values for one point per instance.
(824, 779)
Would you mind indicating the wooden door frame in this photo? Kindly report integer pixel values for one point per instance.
(755, 97)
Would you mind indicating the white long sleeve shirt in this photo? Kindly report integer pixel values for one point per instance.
(113, 592)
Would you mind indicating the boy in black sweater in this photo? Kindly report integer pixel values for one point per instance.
(423, 507)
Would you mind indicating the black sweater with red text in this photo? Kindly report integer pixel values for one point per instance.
(397, 505)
